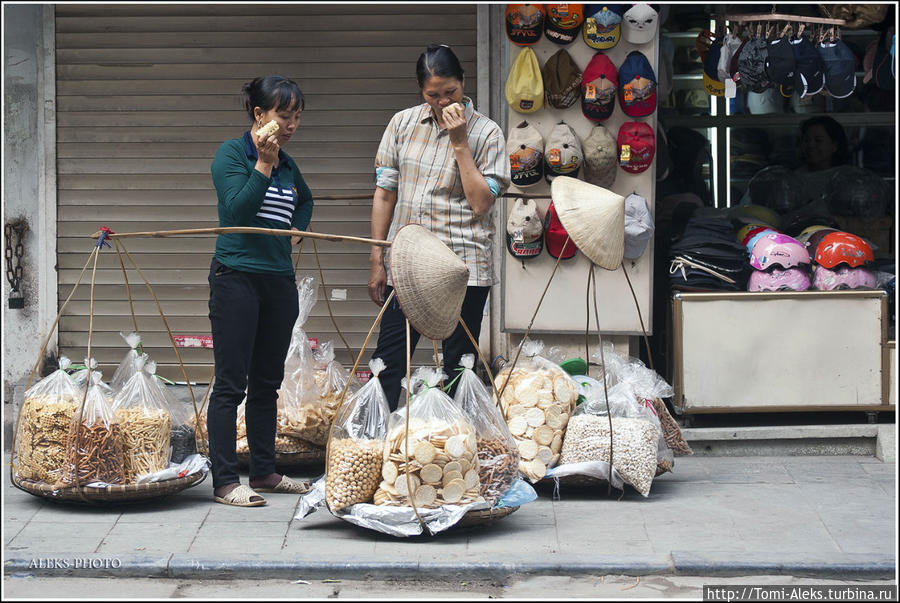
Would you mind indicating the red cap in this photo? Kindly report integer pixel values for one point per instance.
(599, 86)
(637, 145)
(555, 236)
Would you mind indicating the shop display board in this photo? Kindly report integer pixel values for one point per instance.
(563, 309)
(784, 351)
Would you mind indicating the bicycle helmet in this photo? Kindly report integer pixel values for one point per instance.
(807, 232)
(742, 233)
(776, 249)
(752, 233)
(792, 279)
(757, 235)
(843, 248)
(843, 277)
(812, 244)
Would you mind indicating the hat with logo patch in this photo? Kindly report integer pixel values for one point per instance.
(602, 25)
(525, 86)
(711, 82)
(524, 230)
(563, 21)
(781, 64)
(637, 146)
(639, 24)
(599, 85)
(809, 75)
(524, 23)
(637, 85)
(562, 80)
(751, 66)
(600, 157)
(525, 147)
(840, 68)
(562, 152)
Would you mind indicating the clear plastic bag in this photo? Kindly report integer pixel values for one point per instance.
(318, 406)
(182, 437)
(127, 369)
(44, 422)
(537, 402)
(94, 442)
(356, 450)
(498, 452)
(298, 383)
(437, 464)
(145, 421)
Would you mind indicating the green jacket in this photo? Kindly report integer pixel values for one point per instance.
(248, 198)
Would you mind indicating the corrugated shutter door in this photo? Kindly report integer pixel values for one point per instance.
(147, 93)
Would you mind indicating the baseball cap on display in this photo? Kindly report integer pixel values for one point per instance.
(809, 74)
(562, 152)
(639, 24)
(602, 25)
(563, 22)
(525, 147)
(781, 64)
(840, 68)
(524, 23)
(730, 45)
(711, 82)
(562, 80)
(751, 66)
(525, 86)
(638, 226)
(600, 157)
(599, 85)
(637, 145)
(767, 101)
(637, 85)
(524, 230)
(735, 56)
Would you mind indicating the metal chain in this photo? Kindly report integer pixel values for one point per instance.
(14, 273)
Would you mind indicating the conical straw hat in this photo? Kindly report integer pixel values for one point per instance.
(594, 217)
(430, 281)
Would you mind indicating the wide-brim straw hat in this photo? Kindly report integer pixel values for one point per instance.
(594, 217)
(429, 279)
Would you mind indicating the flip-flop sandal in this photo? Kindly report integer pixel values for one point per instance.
(240, 497)
(288, 486)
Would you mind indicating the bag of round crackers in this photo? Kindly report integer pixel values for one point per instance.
(44, 421)
(299, 367)
(537, 401)
(437, 464)
(356, 448)
(498, 452)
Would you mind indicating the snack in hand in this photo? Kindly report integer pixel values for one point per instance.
(269, 128)
(455, 106)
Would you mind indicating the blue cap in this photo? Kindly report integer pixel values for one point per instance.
(637, 85)
(602, 25)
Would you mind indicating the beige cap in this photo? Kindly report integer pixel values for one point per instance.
(600, 157)
(594, 217)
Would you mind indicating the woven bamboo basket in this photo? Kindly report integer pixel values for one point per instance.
(484, 517)
(288, 459)
(115, 495)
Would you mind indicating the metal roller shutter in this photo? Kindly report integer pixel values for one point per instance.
(145, 95)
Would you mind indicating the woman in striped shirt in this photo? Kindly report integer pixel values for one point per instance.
(252, 289)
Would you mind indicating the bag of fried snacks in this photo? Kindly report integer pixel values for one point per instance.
(182, 439)
(317, 410)
(142, 411)
(198, 421)
(126, 368)
(299, 365)
(94, 442)
(435, 461)
(356, 447)
(498, 452)
(537, 398)
(44, 421)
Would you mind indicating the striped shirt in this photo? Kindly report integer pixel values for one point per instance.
(415, 158)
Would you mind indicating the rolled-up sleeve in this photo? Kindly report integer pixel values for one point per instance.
(387, 172)
(493, 163)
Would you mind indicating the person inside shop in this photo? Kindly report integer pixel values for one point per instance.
(441, 164)
(823, 147)
(252, 288)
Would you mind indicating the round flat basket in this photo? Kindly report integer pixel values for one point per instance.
(288, 459)
(114, 495)
(573, 480)
(484, 516)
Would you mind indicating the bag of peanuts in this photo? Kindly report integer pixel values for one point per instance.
(434, 462)
(44, 421)
(145, 422)
(94, 442)
(299, 366)
(498, 452)
(127, 368)
(537, 398)
(356, 447)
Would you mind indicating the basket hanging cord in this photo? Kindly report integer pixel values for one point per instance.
(127, 286)
(299, 253)
(410, 493)
(593, 281)
(437, 363)
(640, 317)
(327, 301)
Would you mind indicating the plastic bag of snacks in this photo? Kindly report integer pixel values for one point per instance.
(142, 411)
(537, 402)
(127, 368)
(94, 442)
(356, 449)
(299, 365)
(498, 452)
(438, 463)
(198, 421)
(44, 422)
(182, 437)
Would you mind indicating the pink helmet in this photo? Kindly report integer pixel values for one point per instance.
(792, 279)
(757, 235)
(843, 277)
(776, 249)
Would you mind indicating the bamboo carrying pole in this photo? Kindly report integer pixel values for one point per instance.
(244, 230)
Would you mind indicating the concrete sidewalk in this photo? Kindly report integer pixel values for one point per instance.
(727, 516)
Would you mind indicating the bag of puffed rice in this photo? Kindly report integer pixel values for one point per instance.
(537, 398)
(356, 446)
(298, 383)
(498, 452)
(44, 421)
(435, 461)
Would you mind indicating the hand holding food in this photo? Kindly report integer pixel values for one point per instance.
(268, 129)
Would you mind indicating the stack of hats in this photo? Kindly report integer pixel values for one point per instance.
(842, 261)
(780, 262)
(706, 256)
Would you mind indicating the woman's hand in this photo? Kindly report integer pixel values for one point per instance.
(295, 240)
(455, 121)
(267, 148)
(377, 282)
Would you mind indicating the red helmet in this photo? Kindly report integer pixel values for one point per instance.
(843, 248)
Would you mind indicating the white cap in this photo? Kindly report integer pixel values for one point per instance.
(638, 226)
(639, 24)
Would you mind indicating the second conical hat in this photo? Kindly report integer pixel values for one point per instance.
(429, 279)
(594, 217)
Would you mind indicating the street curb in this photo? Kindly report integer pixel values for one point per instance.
(682, 563)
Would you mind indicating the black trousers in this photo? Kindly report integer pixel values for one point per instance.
(252, 317)
(392, 341)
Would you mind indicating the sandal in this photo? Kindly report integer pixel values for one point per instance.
(288, 486)
(240, 497)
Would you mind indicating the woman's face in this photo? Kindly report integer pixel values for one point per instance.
(287, 119)
(817, 147)
(440, 92)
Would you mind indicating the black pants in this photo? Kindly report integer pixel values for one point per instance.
(392, 341)
(252, 316)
